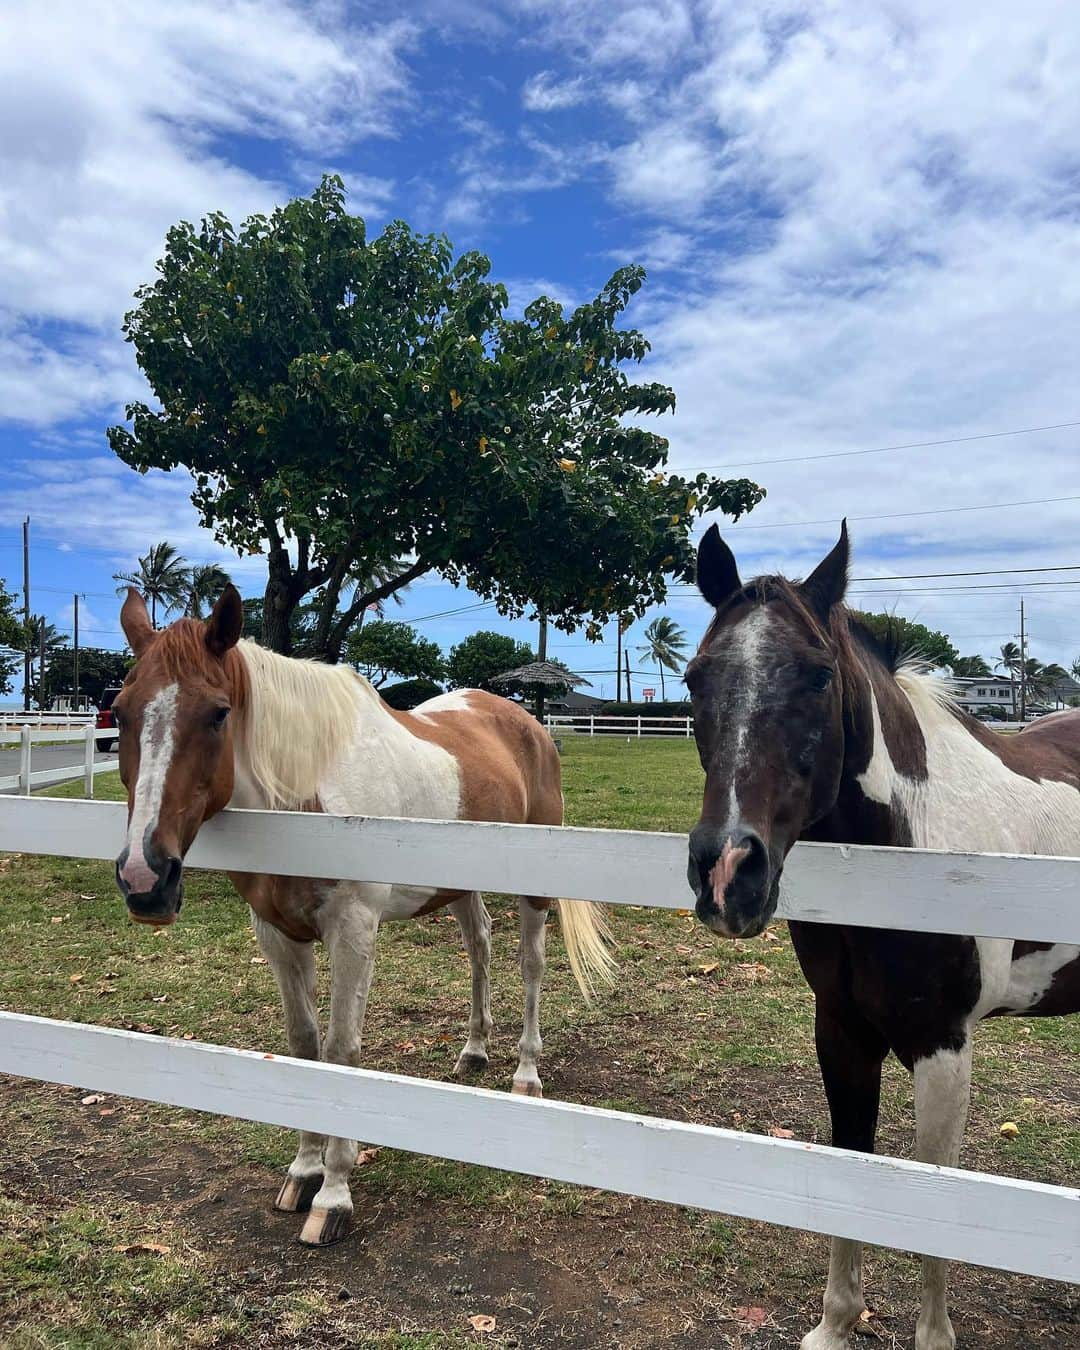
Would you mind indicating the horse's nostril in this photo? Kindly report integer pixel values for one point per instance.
(171, 874)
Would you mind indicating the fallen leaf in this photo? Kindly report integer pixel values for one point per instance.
(683, 913)
(482, 1322)
(160, 998)
(366, 1155)
(708, 970)
(74, 979)
(770, 936)
(93, 1099)
(258, 960)
(1010, 1129)
(144, 1249)
(778, 1132)
(752, 1317)
(87, 897)
(56, 918)
(188, 1036)
(406, 1048)
(108, 1111)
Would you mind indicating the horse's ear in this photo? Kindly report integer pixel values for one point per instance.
(226, 622)
(135, 621)
(717, 572)
(826, 584)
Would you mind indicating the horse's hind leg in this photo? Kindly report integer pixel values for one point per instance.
(942, 1095)
(850, 1054)
(533, 911)
(349, 922)
(475, 924)
(293, 964)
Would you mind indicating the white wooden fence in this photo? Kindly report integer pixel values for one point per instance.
(585, 724)
(85, 735)
(994, 1221)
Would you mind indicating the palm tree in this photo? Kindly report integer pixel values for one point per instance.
(1051, 678)
(204, 584)
(369, 577)
(1010, 662)
(162, 576)
(665, 643)
(967, 667)
(1074, 669)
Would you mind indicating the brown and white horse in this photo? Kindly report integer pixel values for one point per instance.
(809, 728)
(207, 720)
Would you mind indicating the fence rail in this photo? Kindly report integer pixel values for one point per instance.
(27, 737)
(994, 1221)
(585, 724)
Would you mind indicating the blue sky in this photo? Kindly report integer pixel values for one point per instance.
(860, 225)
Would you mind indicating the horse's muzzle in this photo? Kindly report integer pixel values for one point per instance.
(731, 874)
(161, 904)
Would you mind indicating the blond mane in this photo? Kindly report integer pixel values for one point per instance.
(298, 719)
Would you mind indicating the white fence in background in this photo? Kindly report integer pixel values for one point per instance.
(583, 724)
(85, 735)
(11, 719)
(638, 728)
(993, 1221)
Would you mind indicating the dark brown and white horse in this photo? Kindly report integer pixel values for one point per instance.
(207, 720)
(808, 728)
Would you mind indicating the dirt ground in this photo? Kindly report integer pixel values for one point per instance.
(555, 1267)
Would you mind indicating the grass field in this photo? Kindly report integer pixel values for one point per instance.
(696, 1029)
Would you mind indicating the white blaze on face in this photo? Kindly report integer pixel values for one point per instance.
(743, 655)
(155, 756)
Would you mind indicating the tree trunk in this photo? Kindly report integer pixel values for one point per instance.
(663, 687)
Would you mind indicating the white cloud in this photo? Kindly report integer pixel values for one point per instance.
(544, 92)
(109, 119)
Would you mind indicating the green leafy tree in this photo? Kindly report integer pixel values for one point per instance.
(409, 694)
(99, 669)
(162, 576)
(205, 582)
(1074, 669)
(1010, 663)
(476, 660)
(386, 648)
(344, 402)
(665, 644)
(970, 667)
(12, 640)
(913, 638)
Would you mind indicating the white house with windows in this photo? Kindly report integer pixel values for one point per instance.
(978, 692)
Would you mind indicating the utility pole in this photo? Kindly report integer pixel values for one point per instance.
(541, 655)
(618, 656)
(629, 691)
(76, 655)
(26, 611)
(1023, 666)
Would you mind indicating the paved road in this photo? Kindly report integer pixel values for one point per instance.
(46, 757)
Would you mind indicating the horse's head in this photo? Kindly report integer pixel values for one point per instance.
(768, 718)
(176, 755)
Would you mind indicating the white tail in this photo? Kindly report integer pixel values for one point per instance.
(588, 938)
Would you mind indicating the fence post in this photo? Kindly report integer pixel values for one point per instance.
(24, 760)
(88, 761)
(639, 728)
(688, 728)
(592, 726)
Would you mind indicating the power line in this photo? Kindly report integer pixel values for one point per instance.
(926, 576)
(885, 449)
(982, 586)
(903, 515)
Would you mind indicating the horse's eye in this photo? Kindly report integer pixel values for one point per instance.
(821, 678)
(218, 716)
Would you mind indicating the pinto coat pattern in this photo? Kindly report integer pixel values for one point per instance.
(207, 720)
(809, 728)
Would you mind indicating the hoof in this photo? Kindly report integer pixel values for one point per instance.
(470, 1063)
(297, 1193)
(324, 1227)
(528, 1088)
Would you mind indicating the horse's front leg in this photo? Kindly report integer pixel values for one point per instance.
(348, 923)
(475, 924)
(293, 964)
(942, 1097)
(850, 1054)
